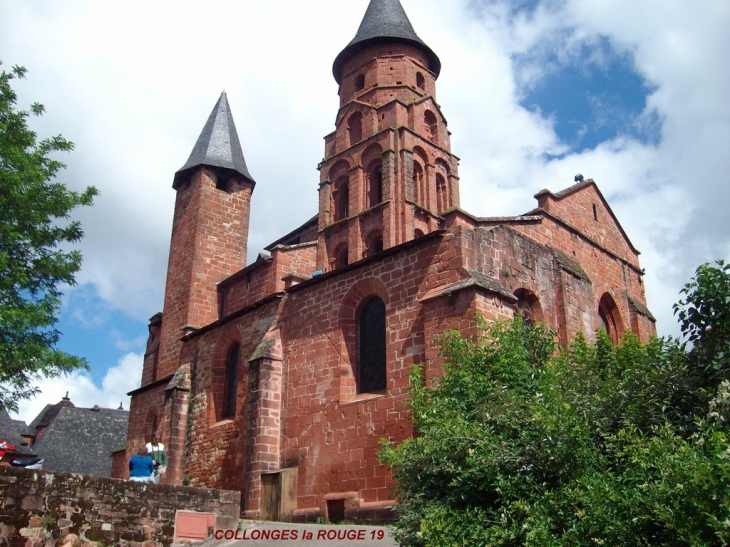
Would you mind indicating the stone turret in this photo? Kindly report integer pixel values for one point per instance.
(209, 233)
(388, 173)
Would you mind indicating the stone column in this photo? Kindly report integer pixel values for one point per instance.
(264, 419)
(177, 395)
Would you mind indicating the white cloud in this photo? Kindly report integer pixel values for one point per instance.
(84, 392)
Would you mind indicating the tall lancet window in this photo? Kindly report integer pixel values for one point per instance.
(371, 369)
(419, 185)
(375, 186)
(442, 196)
(609, 318)
(342, 199)
(231, 386)
(431, 126)
(354, 127)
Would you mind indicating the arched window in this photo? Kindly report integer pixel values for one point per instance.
(354, 127)
(342, 199)
(610, 318)
(442, 197)
(528, 306)
(342, 256)
(419, 184)
(375, 186)
(371, 369)
(360, 82)
(374, 243)
(231, 383)
(420, 80)
(431, 123)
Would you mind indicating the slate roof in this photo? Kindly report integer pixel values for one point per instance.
(385, 21)
(218, 144)
(11, 431)
(47, 415)
(80, 440)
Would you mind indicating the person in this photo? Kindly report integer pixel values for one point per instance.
(69, 540)
(157, 450)
(141, 466)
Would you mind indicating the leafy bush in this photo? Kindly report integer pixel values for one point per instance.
(517, 445)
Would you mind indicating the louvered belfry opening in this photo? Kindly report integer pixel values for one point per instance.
(371, 347)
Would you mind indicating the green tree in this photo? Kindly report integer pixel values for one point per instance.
(35, 228)
(518, 445)
(704, 316)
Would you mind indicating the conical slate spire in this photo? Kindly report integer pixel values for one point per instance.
(218, 144)
(385, 21)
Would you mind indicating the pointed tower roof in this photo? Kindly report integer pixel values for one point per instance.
(385, 21)
(218, 144)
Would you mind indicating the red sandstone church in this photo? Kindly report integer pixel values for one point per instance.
(279, 378)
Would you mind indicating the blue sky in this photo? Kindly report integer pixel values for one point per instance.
(592, 98)
(632, 93)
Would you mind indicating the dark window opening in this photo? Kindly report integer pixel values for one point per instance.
(609, 318)
(354, 127)
(342, 200)
(231, 386)
(528, 306)
(342, 257)
(431, 124)
(377, 245)
(360, 82)
(375, 187)
(223, 183)
(374, 244)
(420, 80)
(371, 347)
(595, 212)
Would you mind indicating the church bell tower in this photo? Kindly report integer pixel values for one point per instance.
(388, 173)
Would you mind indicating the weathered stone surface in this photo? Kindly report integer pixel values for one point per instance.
(48, 508)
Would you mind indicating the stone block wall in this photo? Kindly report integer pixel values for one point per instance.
(40, 506)
(217, 451)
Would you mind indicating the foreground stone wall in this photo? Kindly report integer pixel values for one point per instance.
(37, 507)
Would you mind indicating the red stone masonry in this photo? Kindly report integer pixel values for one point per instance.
(209, 238)
(389, 226)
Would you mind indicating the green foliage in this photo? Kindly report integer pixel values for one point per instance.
(704, 316)
(518, 445)
(34, 229)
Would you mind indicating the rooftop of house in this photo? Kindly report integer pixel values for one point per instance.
(81, 440)
(69, 439)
